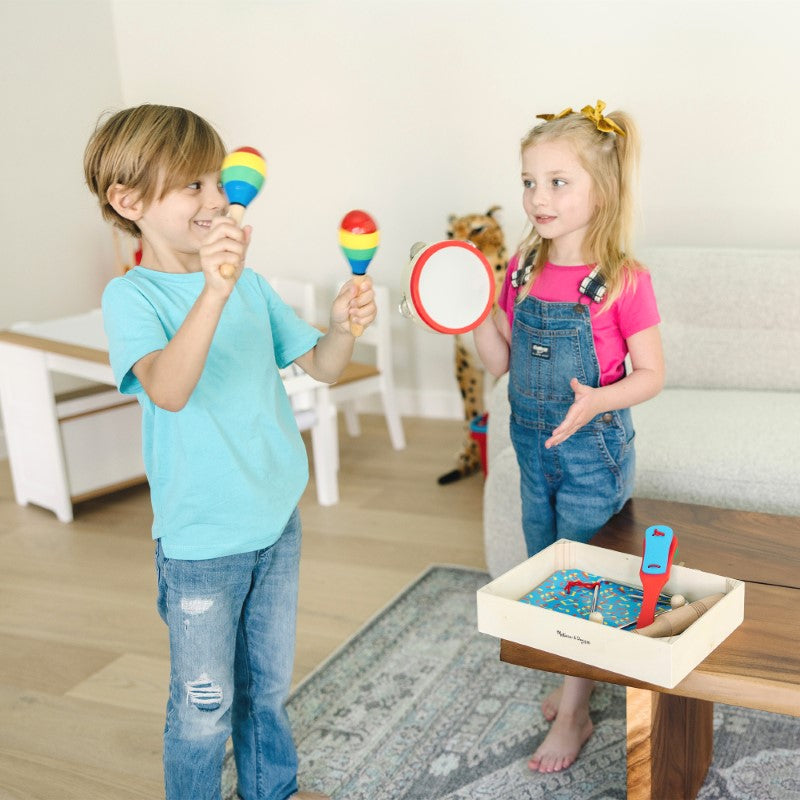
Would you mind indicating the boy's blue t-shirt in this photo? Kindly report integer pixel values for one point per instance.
(228, 469)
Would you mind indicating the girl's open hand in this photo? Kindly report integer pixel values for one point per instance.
(582, 410)
(354, 303)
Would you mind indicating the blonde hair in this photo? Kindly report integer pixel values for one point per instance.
(611, 161)
(151, 149)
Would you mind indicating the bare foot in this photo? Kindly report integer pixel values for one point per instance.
(551, 702)
(563, 743)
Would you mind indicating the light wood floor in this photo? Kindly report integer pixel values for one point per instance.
(83, 653)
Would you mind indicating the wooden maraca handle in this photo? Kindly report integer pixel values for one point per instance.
(236, 213)
(671, 623)
(356, 329)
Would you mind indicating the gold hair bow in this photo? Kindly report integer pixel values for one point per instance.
(561, 114)
(601, 123)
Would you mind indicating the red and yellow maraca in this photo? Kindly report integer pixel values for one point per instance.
(358, 238)
(243, 174)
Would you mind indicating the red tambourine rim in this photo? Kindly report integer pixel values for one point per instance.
(417, 300)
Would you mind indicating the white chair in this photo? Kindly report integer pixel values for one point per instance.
(361, 379)
(310, 398)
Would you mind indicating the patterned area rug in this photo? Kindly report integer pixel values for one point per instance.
(418, 706)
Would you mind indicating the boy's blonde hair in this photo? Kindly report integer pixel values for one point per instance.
(152, 150)
(611, 159)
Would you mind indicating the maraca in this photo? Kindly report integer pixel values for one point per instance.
(242, 176)
(358, 238)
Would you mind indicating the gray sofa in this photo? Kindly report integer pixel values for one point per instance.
(725, 431)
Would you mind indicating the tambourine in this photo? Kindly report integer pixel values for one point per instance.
(450, 286)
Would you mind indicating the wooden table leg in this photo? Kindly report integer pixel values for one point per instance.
(670, 745)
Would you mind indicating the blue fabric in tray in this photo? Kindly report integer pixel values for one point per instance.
(617, 602)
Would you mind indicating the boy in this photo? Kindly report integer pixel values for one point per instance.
(225, 461)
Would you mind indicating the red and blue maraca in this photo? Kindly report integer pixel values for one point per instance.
(358, 238)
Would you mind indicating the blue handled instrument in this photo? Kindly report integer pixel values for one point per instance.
(659, 547)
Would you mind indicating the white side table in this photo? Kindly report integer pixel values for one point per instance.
(64, 452)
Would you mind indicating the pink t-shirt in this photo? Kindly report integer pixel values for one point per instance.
(633, 311)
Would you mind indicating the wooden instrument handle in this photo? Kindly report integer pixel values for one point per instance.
(671, 623)
(355, 328)
(236, 213)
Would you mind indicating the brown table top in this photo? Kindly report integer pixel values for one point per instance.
(746, 545)
(53, 346)
(758, 665)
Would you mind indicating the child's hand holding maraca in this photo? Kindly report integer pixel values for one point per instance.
(242, 176)
(354, 306)
(225, 246)
(358, 238)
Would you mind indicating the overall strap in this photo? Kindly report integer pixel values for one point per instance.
(592, 286)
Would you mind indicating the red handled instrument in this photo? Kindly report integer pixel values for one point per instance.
(659, 547)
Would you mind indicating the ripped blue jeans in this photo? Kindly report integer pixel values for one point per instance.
(231, 627)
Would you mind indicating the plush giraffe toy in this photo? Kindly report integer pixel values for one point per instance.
(485, 233)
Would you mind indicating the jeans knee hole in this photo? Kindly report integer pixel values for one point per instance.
(204, 694)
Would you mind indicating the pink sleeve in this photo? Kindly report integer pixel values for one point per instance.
(507, 293)
(637, 307)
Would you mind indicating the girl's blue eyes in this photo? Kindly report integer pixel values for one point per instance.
(556, 183)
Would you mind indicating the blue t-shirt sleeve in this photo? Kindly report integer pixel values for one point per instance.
(133, 330)
(291, 336)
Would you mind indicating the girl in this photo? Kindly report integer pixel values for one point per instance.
(573, 305)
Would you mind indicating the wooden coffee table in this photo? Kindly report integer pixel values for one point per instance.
(670, 731)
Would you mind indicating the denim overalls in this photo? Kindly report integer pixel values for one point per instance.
(571, 490)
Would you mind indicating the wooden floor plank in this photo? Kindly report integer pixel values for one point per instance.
(130, 681)
(83, 744)
(28, 663)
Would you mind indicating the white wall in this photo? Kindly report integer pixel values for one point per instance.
(58, 64)
(410, 109)
(58, 71)
(414, 110)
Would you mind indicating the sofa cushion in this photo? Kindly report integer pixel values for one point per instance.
(503, 541)
(497, 431)
(730, 318)
(727, 448)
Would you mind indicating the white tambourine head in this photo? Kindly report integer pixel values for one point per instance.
(451, 287)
